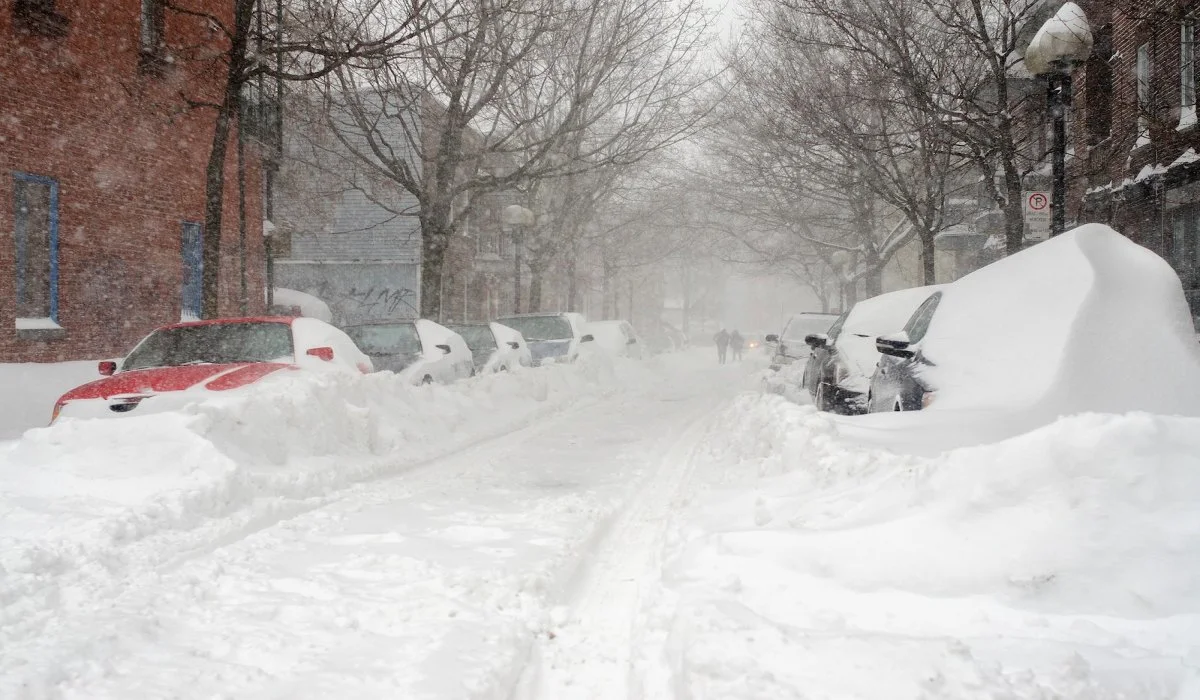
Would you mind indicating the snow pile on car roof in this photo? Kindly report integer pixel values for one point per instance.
(1062, 563)
(1087, 321)
(870, 318)
(309, 305)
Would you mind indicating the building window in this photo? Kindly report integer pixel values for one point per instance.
(1143, 96)
(1187, 74)
(1098, 89)
(150, 38)
(35, 229)
(39, 17)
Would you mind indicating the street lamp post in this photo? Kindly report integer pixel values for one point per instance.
(517, 217)
(1064, 41)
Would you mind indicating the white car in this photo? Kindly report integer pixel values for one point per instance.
(422, 351)
(552, 337)
(494, 346)
(789, 344)
(617, 338)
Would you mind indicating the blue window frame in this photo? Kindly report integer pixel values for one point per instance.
(193, 270)
(35, 229)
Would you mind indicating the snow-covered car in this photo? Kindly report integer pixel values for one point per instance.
(1087, 321)
(838, 373)
(186, 360)
(494, 346)
(552, 337)
(421, 351)
(617, 338)
(789, 344)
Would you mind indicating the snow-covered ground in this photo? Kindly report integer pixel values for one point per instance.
(604, 530)
(325, 536)
(31, 388)
(1064, 563)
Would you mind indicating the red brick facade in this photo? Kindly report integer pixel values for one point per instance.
(81, 106)
(1142, 187)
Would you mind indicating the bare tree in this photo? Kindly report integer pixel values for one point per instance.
(304, 40)
(959, 62)
(510, 92)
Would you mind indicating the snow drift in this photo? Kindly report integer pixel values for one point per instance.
(1063, 563)
(1087, 321)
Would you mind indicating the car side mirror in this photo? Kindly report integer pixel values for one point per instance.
(587, 338)
(108, 368)
(772, 338)
(894, 345)
(514, 345)
(444, 348)
(816, 340)
(322, 353)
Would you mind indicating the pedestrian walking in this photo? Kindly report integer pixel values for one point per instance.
(736, 343)
(722, 341)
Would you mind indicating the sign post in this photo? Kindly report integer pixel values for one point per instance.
(1037, 214)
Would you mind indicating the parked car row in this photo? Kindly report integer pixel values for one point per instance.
(179, 360)
(1070, 324)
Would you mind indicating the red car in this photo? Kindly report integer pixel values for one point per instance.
(184, 360)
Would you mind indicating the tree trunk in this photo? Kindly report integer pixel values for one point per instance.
(214, 202)
(434, 238)
(928, 259)
(214, 176)
(536, 273)
(572, 278)
(1014, 221)
(874, 282)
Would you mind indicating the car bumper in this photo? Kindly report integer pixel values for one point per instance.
(844, 400)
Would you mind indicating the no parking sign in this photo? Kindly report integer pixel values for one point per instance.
(1037, 214)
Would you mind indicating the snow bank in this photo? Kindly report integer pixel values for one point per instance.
(84, 501)
(37, 385)
(1087, 321)
(1063, 563)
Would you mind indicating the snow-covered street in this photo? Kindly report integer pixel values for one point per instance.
(602, 531)
(444, 577)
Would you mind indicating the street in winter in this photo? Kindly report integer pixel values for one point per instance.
(599, 350)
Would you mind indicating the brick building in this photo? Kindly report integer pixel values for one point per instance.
(1135, 133)
(102, 172)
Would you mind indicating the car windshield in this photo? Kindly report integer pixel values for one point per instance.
(806, 325)
(218, 343)
(477, 337)
(534, 328)
(386, 338)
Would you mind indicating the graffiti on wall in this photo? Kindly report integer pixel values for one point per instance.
(359, 292)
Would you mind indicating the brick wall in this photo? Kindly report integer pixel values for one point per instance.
(129, 157)
(1110, 168)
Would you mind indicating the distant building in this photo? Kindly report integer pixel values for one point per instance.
(102, 174)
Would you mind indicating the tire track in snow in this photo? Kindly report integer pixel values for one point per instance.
(593, 652)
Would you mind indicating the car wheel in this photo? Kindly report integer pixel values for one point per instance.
(899, 407)
(503, 368)
(427, 380)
